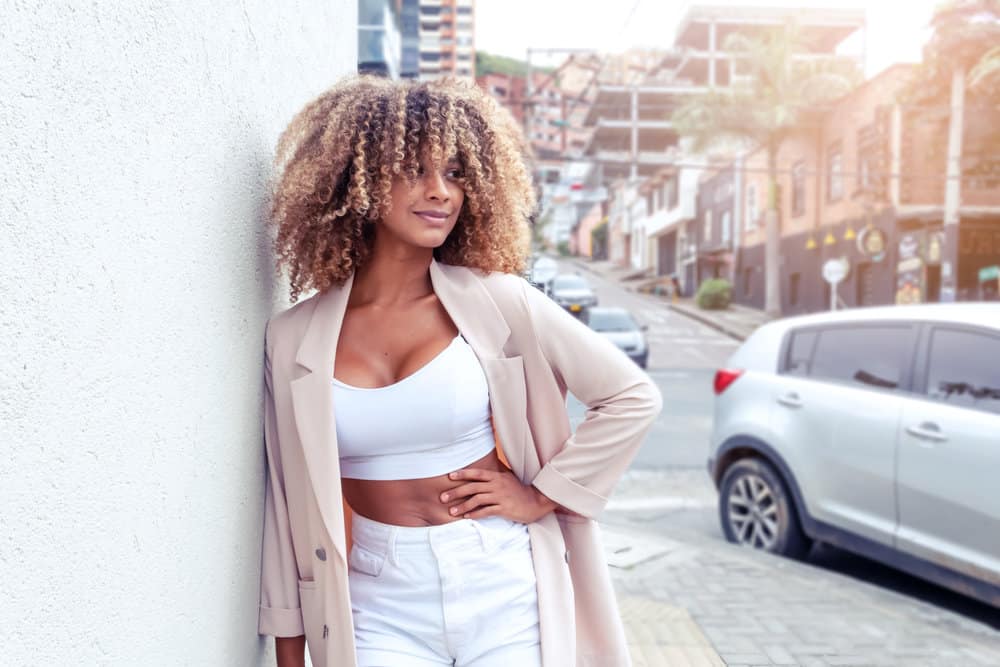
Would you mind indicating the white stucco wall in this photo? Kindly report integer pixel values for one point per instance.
(135, 281)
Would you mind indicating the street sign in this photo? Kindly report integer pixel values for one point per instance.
(989, 273)
(834, 270)
(543, 270)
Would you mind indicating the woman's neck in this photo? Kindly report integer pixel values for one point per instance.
(393, 276)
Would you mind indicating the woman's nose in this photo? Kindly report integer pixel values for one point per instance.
(435, 186)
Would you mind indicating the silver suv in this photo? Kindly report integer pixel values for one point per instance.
(876, 430)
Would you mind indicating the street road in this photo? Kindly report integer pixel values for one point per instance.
(757, 609)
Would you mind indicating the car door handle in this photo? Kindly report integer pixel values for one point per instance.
(927, 431)
(790, 400)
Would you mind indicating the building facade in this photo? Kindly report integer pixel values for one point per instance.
(443, 36)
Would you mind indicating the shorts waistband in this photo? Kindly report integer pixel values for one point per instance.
(384, 538)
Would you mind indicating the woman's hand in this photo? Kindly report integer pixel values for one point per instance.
(495, 493)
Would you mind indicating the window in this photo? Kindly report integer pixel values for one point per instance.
(957, 374)
(706, 234)
(430, 11)
(870, 356)
(799, 354)
(834, 173)
(464, 10)
(799, 188)
(727, 223)
(753, 212)
(673, 193)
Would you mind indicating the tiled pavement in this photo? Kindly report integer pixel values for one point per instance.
(706, 602)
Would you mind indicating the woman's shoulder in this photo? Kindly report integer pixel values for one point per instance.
(291, 320)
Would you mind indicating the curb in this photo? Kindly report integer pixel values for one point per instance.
(708, 321)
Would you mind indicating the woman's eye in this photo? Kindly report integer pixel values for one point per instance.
(454, 173)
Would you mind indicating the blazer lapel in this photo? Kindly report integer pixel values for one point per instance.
(482, 324)
(312, 402)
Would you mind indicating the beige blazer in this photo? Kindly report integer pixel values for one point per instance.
(531, 351)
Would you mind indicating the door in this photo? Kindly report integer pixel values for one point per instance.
(949, 457)
(836, 409)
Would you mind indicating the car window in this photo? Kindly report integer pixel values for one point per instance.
(800, 350)
(872, 356)
(569, 282)
(964, 369)
(610, 321)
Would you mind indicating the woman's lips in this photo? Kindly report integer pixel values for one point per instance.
(432, 217)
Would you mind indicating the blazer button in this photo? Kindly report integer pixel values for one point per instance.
(567, 555)
(321, 553)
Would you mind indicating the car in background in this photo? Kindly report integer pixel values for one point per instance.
(876, 430)
(572, 292)
(618, 326)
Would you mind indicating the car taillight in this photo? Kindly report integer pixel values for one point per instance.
(725, 377)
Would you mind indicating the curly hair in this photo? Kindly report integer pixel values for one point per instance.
(338, 157)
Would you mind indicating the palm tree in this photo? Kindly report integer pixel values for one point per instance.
(961, 63)
(775, 95)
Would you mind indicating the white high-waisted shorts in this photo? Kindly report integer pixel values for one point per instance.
(461, 593)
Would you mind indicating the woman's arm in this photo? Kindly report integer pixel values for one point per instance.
(622, 403)
(279, 614)
(290, 651)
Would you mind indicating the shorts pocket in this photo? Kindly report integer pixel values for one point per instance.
(365, 561)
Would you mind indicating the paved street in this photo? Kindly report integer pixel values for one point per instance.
(689, 597)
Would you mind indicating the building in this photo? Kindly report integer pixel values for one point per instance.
(867, 187)
(379, 38)
(442, 35)
(634, 139)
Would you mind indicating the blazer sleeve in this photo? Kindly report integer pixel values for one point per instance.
(621, 400)
(280, 614)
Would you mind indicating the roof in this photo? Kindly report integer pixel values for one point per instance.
(975, 313)
(820, 29)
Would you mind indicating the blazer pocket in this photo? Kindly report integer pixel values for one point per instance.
(312, 618)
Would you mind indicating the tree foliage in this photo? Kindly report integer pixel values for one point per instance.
(773, 94)
(966, 36)
(489, 63)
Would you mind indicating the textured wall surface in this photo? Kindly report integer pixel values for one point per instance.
(135, 281)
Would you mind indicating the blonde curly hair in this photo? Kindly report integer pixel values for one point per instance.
(338, 157)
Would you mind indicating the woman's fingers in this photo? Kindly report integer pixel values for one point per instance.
(468, 489)
(472, 503)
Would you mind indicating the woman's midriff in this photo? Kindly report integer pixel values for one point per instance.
(408, 502)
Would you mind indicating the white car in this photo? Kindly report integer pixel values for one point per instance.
(876, 430)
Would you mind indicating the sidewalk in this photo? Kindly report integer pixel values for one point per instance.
(737, 321)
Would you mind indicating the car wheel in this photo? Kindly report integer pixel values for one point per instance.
(755, 510)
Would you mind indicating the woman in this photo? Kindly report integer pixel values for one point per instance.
(424, 491)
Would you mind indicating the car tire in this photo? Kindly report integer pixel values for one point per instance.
(756, 510)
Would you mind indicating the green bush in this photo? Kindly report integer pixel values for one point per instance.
(714, 294)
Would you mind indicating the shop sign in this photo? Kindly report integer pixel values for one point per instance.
(934, 246)
(872, 243)
(909, 271)
(989, 273)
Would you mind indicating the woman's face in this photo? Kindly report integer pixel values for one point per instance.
(425, 210)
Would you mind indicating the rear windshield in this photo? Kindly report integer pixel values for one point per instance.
(569, 282)
(613, 321)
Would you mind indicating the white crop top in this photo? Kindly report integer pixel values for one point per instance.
(430, 423)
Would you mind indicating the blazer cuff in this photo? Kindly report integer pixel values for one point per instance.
(574, 497)
(280, 622)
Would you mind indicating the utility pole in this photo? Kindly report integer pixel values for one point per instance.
(953, 189)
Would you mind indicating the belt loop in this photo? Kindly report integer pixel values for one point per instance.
(390, 546)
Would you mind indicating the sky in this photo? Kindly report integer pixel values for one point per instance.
(896, 28)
